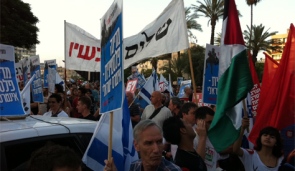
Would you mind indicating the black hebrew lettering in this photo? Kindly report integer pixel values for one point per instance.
(161, 33)
(141, 44)
(129, 48)
(148, 39)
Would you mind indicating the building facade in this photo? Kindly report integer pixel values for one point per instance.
(280, 40)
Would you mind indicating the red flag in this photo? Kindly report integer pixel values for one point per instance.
(277, 99)
(270, 68)
(255, 92)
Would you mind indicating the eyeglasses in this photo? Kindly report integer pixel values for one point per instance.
(52, 102)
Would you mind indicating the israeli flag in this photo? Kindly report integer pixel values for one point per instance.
(155, 80)
(123, 151)
(147, 90)
(149, 87)
(170, 89)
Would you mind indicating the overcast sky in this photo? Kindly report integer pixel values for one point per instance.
(273, 14)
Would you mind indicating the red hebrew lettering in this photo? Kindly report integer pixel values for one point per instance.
(86, 54)
(71, 47)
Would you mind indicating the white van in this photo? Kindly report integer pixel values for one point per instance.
(19, 138)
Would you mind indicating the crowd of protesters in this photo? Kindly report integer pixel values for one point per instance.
(78, 100)
(177, 126)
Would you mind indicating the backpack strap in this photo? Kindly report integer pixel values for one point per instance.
(156, 112)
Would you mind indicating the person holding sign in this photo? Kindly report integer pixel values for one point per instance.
(148, 141)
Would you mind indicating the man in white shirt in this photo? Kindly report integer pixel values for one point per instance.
(210, 156)
(156, 111)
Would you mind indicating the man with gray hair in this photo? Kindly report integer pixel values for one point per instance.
(148, 142)
(175, 105)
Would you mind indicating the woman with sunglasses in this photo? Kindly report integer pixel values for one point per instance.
(55, 110)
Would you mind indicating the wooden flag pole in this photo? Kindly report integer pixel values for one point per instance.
(65, 53)
(110, 146)
(193, 75)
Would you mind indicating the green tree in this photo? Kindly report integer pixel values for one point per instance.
(127, 73)
(218, 39)
(177, 67)
(259, 70)
(190, 16)
(191, 22)
(18, 24)
(251, 3)
(181, 66)
(147, 72)
(260, 40)
(212, 9)
(198, 56)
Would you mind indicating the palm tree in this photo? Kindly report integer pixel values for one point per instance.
(177, 67)
(191, 22)
(218, 39)
(212, 9)
(251, 3)
(259, 40)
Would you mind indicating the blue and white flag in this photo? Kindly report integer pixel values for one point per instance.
(59, 80)
(163, 83)
(10, 99)
(170, 89)
(123, 151)
(149, 87)
(147, 90)
(155, 80)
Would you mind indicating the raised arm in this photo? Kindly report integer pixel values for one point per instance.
(236, 147)
(202, 133)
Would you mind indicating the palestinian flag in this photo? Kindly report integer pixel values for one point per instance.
(234, 83)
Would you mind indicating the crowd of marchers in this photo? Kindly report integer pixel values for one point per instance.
(171, 132)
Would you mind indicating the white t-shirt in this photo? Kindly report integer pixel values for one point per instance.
(61, 114)
(159, 118)
(252, 162)
(211, 156)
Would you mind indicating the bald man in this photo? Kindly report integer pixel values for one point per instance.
(156, 111)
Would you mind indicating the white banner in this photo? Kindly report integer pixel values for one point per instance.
(19, 72)
(82, 49)
(166, 34)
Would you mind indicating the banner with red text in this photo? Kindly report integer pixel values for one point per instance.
(82, 50)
